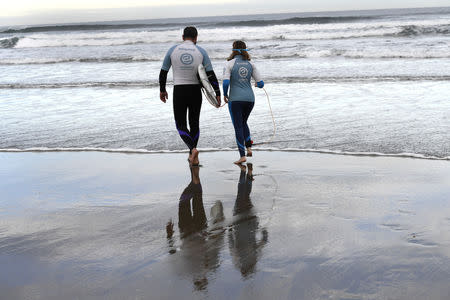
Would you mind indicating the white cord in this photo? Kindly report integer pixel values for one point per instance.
(273, 122)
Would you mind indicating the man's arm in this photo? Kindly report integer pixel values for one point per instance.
(162, 85)
(167, 63)
(214, 82)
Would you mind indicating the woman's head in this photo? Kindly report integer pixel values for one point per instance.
(239, 48)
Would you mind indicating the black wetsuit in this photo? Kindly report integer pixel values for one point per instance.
(187, 98)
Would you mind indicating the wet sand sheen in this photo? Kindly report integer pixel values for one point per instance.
(297, 226)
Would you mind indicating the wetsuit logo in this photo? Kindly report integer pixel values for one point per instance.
(243, 72)
(186, 59)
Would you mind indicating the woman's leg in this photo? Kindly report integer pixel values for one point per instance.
(235, 108)
(247, 109)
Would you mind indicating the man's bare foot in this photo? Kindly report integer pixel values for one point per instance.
(241, 160)
(249, 152)
(194, 157)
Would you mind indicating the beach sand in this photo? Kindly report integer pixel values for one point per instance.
(92, 225)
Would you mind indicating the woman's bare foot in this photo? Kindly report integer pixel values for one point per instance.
(241, 160)
(249, 152)
(194, 157)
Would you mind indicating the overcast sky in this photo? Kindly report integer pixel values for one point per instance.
(16, 12)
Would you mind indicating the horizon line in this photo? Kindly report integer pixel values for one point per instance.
(212, 16)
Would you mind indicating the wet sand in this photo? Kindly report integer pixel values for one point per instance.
(89, 225)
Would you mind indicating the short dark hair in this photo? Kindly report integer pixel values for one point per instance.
(190, 32)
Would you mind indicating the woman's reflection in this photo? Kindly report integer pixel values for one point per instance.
(245, 248)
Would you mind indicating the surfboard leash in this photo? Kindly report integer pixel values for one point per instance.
(273, 122)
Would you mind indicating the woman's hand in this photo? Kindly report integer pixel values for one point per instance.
(225, 98)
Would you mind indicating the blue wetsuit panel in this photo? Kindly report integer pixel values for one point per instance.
(240, 81)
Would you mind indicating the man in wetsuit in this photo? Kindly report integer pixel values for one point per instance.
(187, 98)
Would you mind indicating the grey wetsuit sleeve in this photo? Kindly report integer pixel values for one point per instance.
(167, 62)
(206, 61)
(227, 69)
(255, 74)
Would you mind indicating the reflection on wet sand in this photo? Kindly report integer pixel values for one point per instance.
(245, 248)
(361, 228)
(200, 248)
(199, 254)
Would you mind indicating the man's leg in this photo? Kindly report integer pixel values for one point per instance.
(180, 107)
(185, 219)
(194, 108)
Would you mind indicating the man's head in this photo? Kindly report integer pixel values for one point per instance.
(190, 33)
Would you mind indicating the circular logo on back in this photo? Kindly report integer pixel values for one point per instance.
(243, 72)
(186, 59)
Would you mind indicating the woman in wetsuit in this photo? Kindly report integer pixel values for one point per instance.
(237, 76)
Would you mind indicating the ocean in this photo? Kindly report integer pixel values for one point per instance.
(356, 82)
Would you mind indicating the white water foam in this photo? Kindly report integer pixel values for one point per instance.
(283, 32)
(145, 151)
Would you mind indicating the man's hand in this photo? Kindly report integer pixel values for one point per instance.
(218, 101)
(163, 96)
(225, 98)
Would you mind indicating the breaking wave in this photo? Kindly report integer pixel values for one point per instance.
(414, 30)
(8, 42)
(307, 32)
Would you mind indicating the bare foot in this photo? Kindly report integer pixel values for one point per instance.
(241, 160)
(249, 152)
(194, 157)
(250, 171)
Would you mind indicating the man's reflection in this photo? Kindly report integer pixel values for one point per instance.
(190, 221)
(200, 247)
(245, 248)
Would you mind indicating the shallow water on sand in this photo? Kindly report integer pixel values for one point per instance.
(333, 116)
(309, 226)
